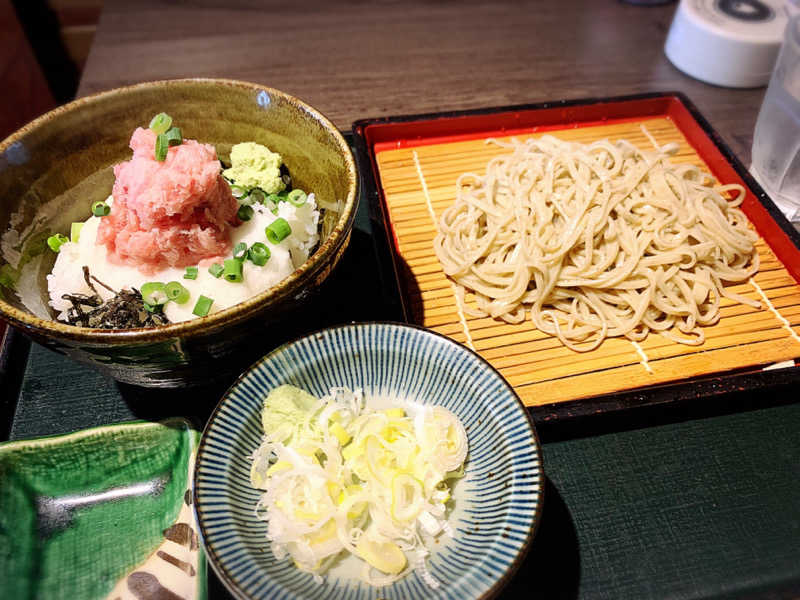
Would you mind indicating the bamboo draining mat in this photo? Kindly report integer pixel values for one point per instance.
(418, 184)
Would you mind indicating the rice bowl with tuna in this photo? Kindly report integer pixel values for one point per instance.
(180, 238)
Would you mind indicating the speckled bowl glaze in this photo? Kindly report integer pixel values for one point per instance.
(52, 170)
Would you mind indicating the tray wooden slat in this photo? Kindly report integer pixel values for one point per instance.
(419, 183)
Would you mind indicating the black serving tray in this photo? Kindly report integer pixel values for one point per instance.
(678, 500)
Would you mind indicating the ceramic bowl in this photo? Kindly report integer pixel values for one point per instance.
(101, 513)
(53, 169)
(497, 504)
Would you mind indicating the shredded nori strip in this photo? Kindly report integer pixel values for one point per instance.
(125, 310)
(286, 177)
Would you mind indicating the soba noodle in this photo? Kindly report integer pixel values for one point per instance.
(596, 240)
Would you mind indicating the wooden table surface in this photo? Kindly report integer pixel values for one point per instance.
(629, 513)
(360, 59)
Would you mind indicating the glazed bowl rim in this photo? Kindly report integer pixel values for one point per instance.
(234, 314)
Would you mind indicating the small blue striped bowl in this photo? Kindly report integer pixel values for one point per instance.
(497, 503)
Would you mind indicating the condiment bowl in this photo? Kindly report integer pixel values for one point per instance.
(54, 168)
(496, 507)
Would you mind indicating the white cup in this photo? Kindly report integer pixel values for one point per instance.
(776, 141)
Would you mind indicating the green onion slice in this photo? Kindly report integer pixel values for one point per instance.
(239, 251)
(233, 270)
(216, 269)
(75, 232)
(161, 123)
(271, 202)
(258, 254)
(191, 273)
(176, 292)
(297, 197)
(202, 306)
(257, 195)
(56, 241)
(241, 193)
(278, 230)
(154, 292)
(174, 137)
(153, 307)
(162, 145)
(245, 212)
(100, 209)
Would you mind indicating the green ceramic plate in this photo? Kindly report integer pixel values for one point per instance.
(101, 513)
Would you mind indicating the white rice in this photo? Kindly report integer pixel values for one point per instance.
(290, 253)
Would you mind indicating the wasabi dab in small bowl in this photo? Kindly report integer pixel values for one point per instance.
(491, 511)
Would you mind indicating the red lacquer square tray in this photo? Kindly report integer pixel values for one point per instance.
(410, 165)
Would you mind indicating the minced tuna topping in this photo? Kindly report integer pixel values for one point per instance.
(171, 213)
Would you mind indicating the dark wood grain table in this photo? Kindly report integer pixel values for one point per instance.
(360, 59)
(698, 500)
